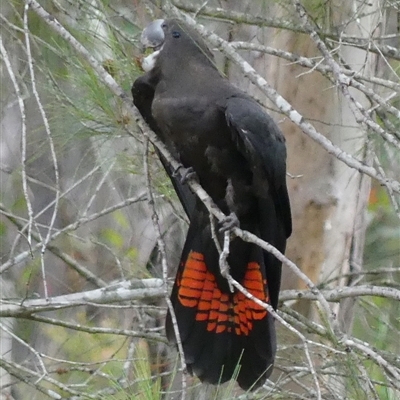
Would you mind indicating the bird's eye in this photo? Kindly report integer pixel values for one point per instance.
(176, 34)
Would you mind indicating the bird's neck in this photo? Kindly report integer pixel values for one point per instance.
(190, 73)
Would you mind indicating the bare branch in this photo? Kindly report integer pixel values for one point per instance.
(286, 24)
(364, 348)
(90, 329)
(311, 64)
(137, 289)
(340, 293)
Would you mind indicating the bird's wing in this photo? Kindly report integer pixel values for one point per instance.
(260, 141)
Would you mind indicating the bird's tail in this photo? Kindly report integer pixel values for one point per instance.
(224, 335)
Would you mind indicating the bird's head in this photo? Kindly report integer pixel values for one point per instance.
(173, 37)
(152, 37)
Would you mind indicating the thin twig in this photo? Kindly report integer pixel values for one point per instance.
(21, 105)
(161, 249)
(71, 227)
(52, 149)
(242, 289)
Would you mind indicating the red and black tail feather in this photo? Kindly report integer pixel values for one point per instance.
(221, 330)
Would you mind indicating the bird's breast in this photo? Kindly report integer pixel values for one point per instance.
(185, 119)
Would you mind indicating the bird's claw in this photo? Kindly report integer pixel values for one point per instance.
(186, 174)
(229, 222)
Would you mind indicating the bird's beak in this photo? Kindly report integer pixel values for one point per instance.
(152, 37)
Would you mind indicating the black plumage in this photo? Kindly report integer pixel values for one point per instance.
(239, 156)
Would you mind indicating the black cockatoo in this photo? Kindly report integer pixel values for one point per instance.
(239, 156)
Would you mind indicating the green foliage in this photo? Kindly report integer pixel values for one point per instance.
(3, 229)
(317, 9)
(148, 386)
(113, 237)
(103, 354)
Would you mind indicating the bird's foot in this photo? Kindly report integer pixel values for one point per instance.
(229, 222)
(186, 174)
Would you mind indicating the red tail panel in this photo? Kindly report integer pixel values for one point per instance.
(197, 287)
